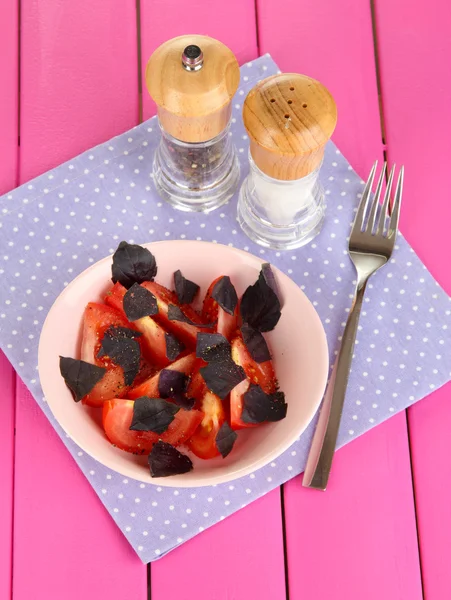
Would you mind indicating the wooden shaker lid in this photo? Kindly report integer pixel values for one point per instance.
(193, 99)
(289, 118)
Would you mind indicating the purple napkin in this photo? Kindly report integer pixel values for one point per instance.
(58, 224)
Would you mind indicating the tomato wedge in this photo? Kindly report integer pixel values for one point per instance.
(236, 406)
(260, 373)
(117, 417)
(212, 312)
(154, 335)
(203, 442)
(150, 386)
(184, 331)
(115, 296)
(97, 319)
(197, 387)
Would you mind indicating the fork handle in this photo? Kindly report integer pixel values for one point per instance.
(325, 438)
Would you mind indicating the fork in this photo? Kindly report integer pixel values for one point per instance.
(370, 247)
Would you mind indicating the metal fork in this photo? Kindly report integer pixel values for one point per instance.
(370, 247)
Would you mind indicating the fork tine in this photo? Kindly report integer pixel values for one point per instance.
(393, 229)
(360, 216)
(377, 196)
(386, 204)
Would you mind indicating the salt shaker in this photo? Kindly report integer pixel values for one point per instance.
(193, 79)
(289, 118)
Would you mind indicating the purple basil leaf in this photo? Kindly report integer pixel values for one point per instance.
(80, 376)
(255, 343)
(259, 407)
(185, 289)
(165, 460)
(174, 347)
(269, 277)
(133, 264)
(172, 383)
(225, 294)
(212, 347)
(260, 307)
(175, 313)
(118, 344)
(221, 377)
(139, 303)
(153, 414)
(184, 402)
(225, 439)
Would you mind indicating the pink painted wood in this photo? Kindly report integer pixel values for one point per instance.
(7, 381)
(78, 78)
(79, 60)
(414, 49)
(359, 535)
(78, 88)
(257, 569)
(231, 22)
(9, 96)
(9, 111)
(331, 41)
(66, 544)
(319, 40)
(241, 557)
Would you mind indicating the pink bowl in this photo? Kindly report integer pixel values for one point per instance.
(298, 345)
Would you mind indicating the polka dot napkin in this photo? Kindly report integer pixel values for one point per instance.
(61, 222)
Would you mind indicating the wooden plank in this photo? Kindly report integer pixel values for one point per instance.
(66, 544)
(415, 51)
(78, 78)
(79, 87)
(257, 569)
(9, 111)
(233, 23)
(360, 534)
(9, 96)
(7, 381)
(241, 557)
(333, 42)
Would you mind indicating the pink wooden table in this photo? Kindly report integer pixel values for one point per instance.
(71, 77)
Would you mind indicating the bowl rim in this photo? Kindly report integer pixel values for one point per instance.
(177, 481)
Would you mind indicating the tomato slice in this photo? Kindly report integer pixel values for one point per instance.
(117, 417)
(184, 331)
(115, 296)
(203, 442)
(154, 338)
(150, 386)
(97, 319)
(236, 406)
(260, 373)
(212, 312)
(197, 387)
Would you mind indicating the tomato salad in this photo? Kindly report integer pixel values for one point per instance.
(167, 376)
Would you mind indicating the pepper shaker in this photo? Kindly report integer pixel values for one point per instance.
(193, 79)
(289, 118)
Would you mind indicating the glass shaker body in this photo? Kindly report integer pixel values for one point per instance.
(289, 118)
(192, 79)
(196, 176)
(281, 214)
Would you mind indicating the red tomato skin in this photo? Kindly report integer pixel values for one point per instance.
(261, 374)
(183, 331)
(227, 324)
(203, 442)
(117, 417)
(150, 386)
(97, 319)
(236, 406)
(154, 340)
